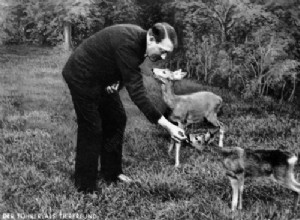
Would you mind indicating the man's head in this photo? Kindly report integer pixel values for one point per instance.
(161, 40)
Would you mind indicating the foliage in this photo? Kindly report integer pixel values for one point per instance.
(239, 45)
(103, 13)
(152, 11)
(265, 64)
(244, 45)
(42, 20)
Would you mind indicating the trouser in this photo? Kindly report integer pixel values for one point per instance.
(101, 126)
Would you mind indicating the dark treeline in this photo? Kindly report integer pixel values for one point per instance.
(249, 46)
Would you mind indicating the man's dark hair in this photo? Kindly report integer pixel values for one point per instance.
(158, 31)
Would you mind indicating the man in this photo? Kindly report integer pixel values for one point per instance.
(112, 55)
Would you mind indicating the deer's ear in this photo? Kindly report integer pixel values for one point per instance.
(177, 71)
(183, 74)
(180, 75)
(177, 75)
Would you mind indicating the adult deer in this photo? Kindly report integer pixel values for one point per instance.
(188, 109)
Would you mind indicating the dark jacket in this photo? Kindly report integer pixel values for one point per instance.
(112, 54)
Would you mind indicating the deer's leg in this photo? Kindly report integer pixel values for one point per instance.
(177, 147)
(212, 118)
(235, 193)
(171, 146)
(241, 189)
(221, 138)
(177, 154)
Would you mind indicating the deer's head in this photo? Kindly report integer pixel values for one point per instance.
(165, 75)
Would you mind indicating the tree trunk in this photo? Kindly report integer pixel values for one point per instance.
(67, 36)
(291, 98)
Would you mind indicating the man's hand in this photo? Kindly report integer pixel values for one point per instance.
(176, 133)
(113, 88)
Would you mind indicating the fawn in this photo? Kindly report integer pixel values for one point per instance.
(188, 109)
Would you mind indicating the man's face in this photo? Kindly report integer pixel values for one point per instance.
(158, 51)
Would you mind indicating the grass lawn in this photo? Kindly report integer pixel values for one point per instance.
(37, 151)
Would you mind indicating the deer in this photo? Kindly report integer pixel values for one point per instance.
(188, 109)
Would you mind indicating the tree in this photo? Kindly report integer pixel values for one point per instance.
(3, 13)
(50, 22)
(68, 12)
(115, 11)
(41, 21)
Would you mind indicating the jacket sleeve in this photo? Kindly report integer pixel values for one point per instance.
(128, 64)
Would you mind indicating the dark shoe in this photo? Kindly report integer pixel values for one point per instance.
(85, 186)
(86, 189)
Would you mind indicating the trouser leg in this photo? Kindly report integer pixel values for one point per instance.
(114, 123)
(89, 142)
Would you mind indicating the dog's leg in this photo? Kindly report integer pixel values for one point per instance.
(235, 193)
(287, 179)
(296, 201)
(293, 183)
(295, 186)
(177, 153)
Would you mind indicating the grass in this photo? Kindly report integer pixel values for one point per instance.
(38, 137)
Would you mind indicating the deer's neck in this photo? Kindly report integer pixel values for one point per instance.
(168, 94)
